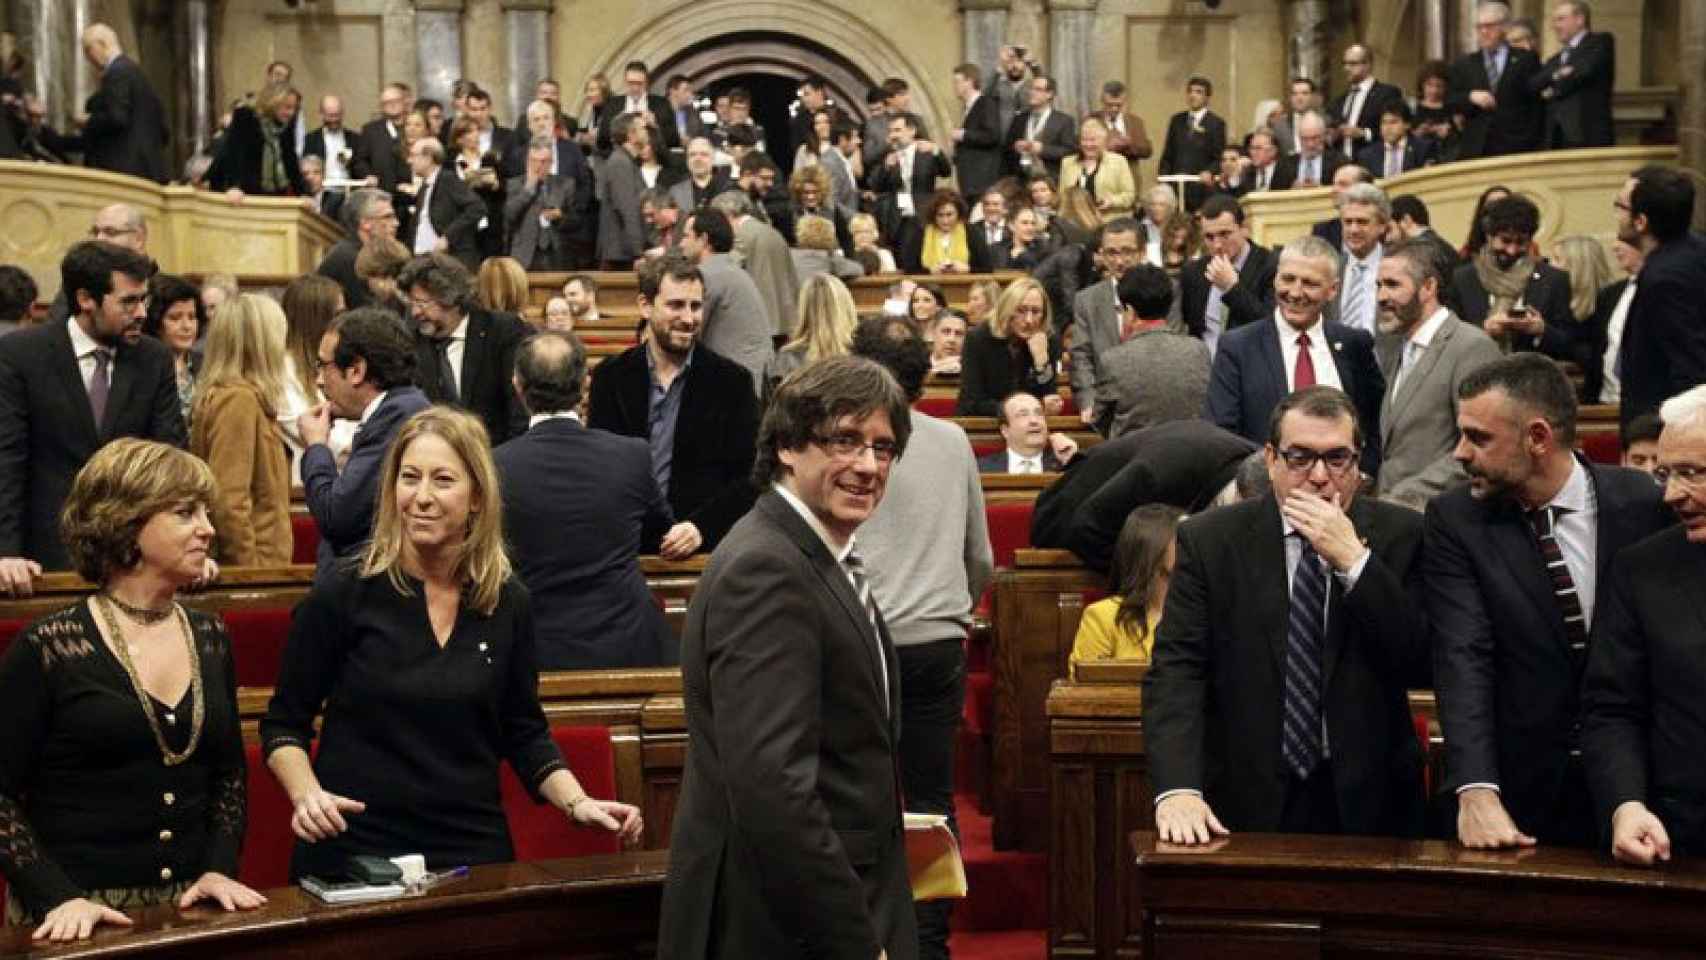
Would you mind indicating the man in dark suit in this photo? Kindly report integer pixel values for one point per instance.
(446, 216)
(1040, 135)
(1230, 285)
(495, 138)
(1314, 165)
(366, 213)
(978, 140)
(1356, 112)
(1396, 152)
(1028, 446)
(788, 836)
(1514, 296)
(367, 371)
(68, 388)
(123, 124)
(464, 355)
(1413, 222)
(814, 96)
(331, 142)
(1195, 137)
(695, 407)
(1663, 350)
(377, 158)
(649, 109)
(1258, 364)
(906, 180)
(1190, 464)
(1643, 731)
(683, 114)
(1575, 84)
(1298, 614)
(1490, 89)
(590, 600)
(537, 209)
(1512, 564)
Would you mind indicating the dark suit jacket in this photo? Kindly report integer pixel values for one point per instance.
(344, 503)
(48, 430)
(1577, 105)
(1181, 462)
(716, 432)
(375, 155)
(1643, 726)
(488, 362)
(238, 163)
(1418, 153)
(1193, 151)
(1286, 169)
(1593, 372)
(315, 142)
(127, 125)
(1548, 291)
(885, 181)
(539, 247)
(997, 462)
(1663, 350)
(616, 103)
(1215, 690)
(1379, 97)
(591, 605)
(1502, 669)
(1332, 231)
(339, 264)
(1249, 379)
(455, 211)
(1251, 300)
(787, 838)
(331, 205)
(1514, 125)
(1059, 137)
(978, 157)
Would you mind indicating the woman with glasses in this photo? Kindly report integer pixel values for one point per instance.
(1015, 350)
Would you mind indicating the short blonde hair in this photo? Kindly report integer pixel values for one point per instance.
(502, 285)
(813, 232)
(864, 221)
(812, 173)
(482, 563)
(114, 496)
(246, 346)
(826, 318)
(1009, 302)
(991, 295)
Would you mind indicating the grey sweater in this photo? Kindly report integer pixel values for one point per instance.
(927, 544)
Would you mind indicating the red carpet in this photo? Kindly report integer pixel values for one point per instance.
(1005, 945)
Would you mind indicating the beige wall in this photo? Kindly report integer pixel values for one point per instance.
(348, 47)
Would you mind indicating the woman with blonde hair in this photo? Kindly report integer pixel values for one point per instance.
(310, 303)
(815, 250)
(236, 431)
(1581, 339)
(824, 328)
(421, 659)
(862, 227)
(1105, 176)
(501, 286)
(981, 298)
(1016, 350)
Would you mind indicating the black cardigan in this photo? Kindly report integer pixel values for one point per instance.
(991, 370)
(85, 800)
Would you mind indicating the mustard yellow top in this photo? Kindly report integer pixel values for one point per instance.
(1099, 638)
(938, 249)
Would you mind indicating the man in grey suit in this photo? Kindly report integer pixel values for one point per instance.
(1158, 374)
(1096, 312)
(762, 251)
(1425, 352)
(735, 324)
(621, 229)
(844, 187)
(534, 214)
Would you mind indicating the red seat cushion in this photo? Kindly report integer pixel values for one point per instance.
(1603, 447)
(9, 629)
(1009, 529)
(305, 538)
(542, 832)
(267, 839)
(935, 406)
(258, 638)
(981, 450)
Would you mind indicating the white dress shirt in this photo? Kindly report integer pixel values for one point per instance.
(455, 349)
(1353, 110)
(539, 418)
(84, 348)
(336, 143)
(903, 199)
(1320, 354)
(1418, 345)
(1612, 388)
(1019, 463)
(426, 238)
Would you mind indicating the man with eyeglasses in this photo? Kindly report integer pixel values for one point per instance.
(367, 215)
(1643, 732)
(68, 388)
(1490, 88)
(118, 223)
(1096, 317)
(465, 354)
(1513, 564)
(1300, 610)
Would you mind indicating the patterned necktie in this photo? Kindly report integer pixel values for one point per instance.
(855, 565)
(1303, 374)
(1394, 162)
(1492, 70)
(1356, 294)
(1412, 350)
(1300, 740)
(100, 384)
(1563, 585)
(446, 373)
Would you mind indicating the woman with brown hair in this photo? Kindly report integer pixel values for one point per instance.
(177, 318)
(421, 662)
(1016, 350)
(378, 265)
(940, 242)
(1122, 625)
(310, 303)
(122, 778)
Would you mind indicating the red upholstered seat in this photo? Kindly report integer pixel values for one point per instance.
(1009, 529)
(985, 449)
(1603, 447)
(936, 406)
(542, 832)
(267, 839)
(258, 638)
(8, 630)
(305, 538)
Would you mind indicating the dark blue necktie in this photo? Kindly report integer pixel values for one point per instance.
(1301, 727)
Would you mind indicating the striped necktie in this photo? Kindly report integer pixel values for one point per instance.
(1355, 298)
(1301, 735)
(1563, 585)
(855, 565)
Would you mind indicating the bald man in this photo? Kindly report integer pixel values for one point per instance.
(123, 124)
(118, 223)
(334, 144)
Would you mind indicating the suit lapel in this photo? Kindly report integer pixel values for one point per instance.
(1268, 343)
(474, 356)
(1273, 595)
(1425, 364)
(1347, 373)
(70, 373)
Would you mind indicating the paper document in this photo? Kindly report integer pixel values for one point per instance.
(933, 858)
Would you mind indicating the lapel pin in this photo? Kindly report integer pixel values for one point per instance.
(1338, 344)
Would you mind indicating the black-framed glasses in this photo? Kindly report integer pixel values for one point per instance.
(1301, 461)
(1686, 474)
(851, 446)
(323, 364)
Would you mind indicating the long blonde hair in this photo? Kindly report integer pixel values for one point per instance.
(826, 319)
(1011, 297)
(502, 285)
(246, 347)
(481, 561)
(1590, 272)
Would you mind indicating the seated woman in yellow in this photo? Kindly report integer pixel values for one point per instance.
(1122, 626)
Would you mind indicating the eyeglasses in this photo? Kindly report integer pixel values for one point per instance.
(1685, 474)
(418, 305)
(1301, 461)
(323, 364)
(110, 233)
(1620, 206)
(851, 446)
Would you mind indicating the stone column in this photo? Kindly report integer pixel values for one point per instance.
(1691, 69)
(438, 48)
(195, 120)
(50, 34)
(1436, 36)
(984, 23)
(1466, 26)
(527, 41)
(1306, 53)
(1071, 28)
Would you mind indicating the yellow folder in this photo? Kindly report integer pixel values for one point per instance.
(933, 858)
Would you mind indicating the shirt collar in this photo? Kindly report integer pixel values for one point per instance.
(1014, 456)
(838, 551)
(1288, 333)
(1372, 261)
(1575, 40)
(372, 406)
(539, 418)
(461, 331)
(81, 343)
(1424, 334)
(1573, 495)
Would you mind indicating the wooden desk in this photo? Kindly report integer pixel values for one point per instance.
(603, 906)
(1263, 895)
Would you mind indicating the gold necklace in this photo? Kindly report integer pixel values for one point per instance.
(198, 702)
(147, 616)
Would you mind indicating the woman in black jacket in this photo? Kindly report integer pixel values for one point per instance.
(258, 154)
(1016, 350)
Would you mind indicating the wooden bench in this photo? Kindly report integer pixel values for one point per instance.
(617, 291)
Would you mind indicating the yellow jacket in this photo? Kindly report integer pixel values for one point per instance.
(1116, 188)
(1100, 638)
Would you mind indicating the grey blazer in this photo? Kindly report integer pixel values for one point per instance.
(1418, 420)
(1155, 377)
(538, 247)
(736, 322)
(1095, 330)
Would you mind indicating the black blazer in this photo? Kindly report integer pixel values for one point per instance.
(1593, 371)
(339, 265)
(455, 211)
(1332, 231)
(1249, 379)
(1643, 722)
(127, 125)
(1418, 153)
(48, 431)
(1286, 169)
(238, 163)
(344, 500)
(787, 838)
(989, 373)
(1502, 670)
(1663, 350)
(716, 433)
(1192, 151)
(1181, 462)
(488, 363)
(1215, 690)
(885, 181)
(1577, 103)
(1514, 125)
(1548, 291)
(315, 143)
(1059, 137)
(376, 154)
(591, 606)
(1249, 301)
(1380, 96)
(911, 252)
(978, 156)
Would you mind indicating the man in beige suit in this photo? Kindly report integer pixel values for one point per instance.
(1425, 352)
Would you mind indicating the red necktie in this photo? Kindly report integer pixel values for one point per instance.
(1304, 375)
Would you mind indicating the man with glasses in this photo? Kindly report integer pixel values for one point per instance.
(1490, 89)
(367, 215)
(1356, 112)
(1040, 136)
(118, 223)
(1642, 731)
(1662, 350)
(1299, 610)
(465, 354)
(1513, 563)
(1096, 316)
